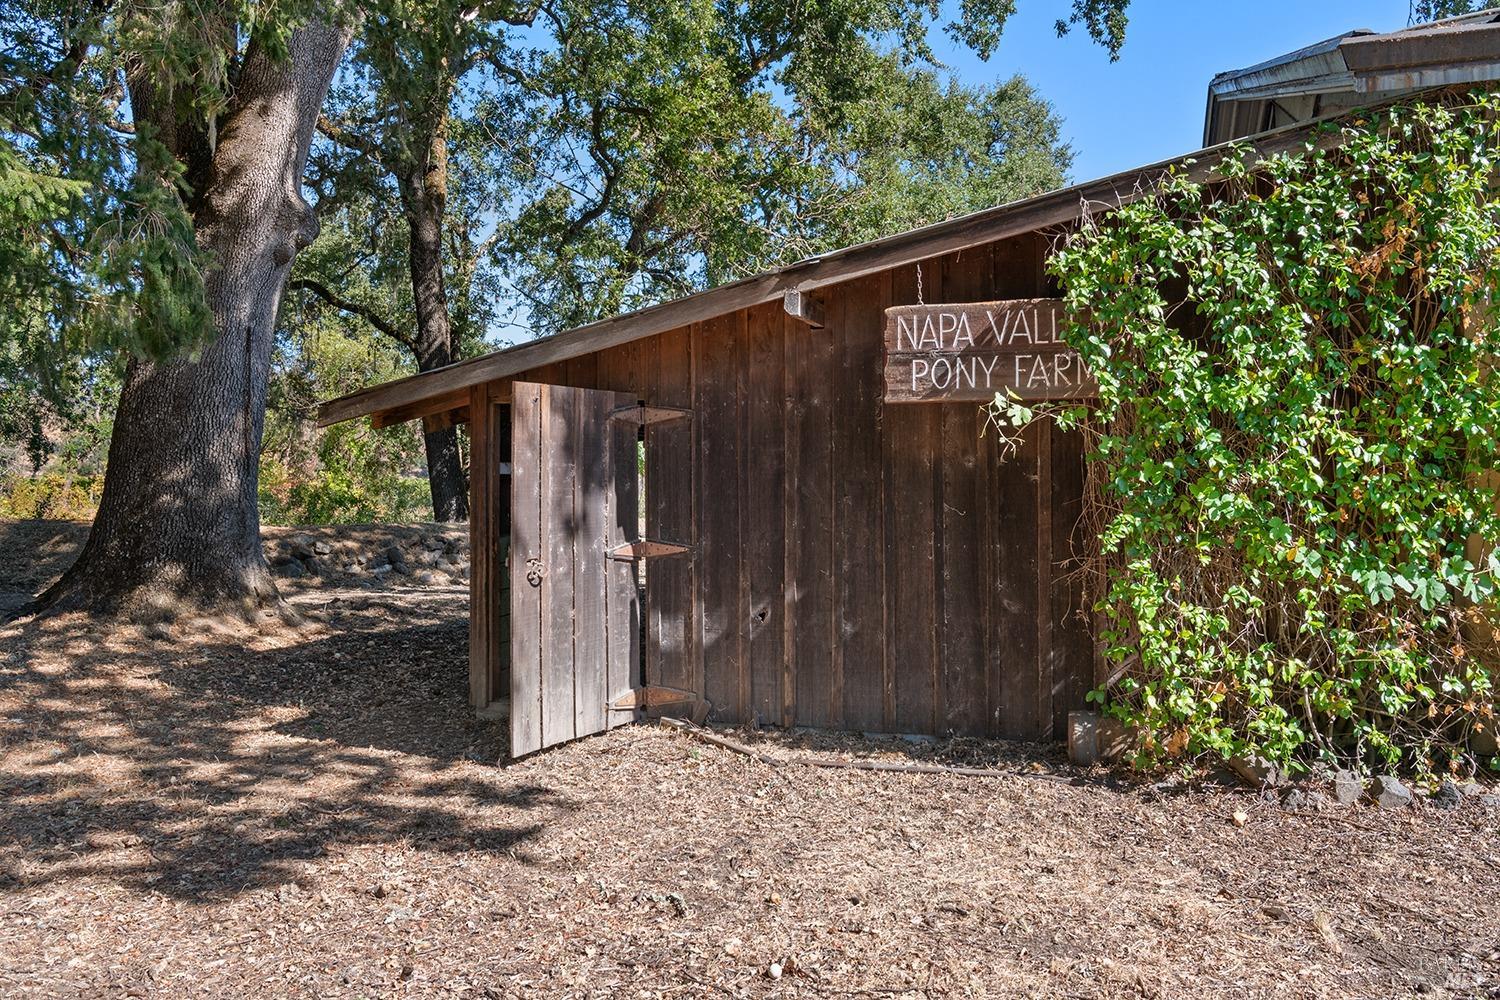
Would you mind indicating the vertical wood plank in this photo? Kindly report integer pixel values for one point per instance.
(1043, 542)
(482, 609)
(622, 369)
(621, 592)
(857, 319)
(559, 532)
(1072, 646)
(718, 393)
(589, 428)
(582, 371)
(1018, 688)
(911, 525)
(1016, 511)
(764, 474)
(497, 511)
(808, 671)
(672, 657)
(963, 689)
(555, 373)
(498, 451)
(526, 542)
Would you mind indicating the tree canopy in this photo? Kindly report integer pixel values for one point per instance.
(598, 156)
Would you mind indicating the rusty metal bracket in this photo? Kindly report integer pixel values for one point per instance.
(647, 548)
(651, 696)
(645, 415)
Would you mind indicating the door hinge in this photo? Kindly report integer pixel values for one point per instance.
(647, 548)
(645, 414)
(651, 696)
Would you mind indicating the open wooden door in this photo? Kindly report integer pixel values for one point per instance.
(575, 645)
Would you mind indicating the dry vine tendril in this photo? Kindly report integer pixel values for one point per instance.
(1291, 479)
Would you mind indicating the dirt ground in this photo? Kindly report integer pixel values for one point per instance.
(315, 812)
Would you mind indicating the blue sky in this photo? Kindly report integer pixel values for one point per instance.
(1149, 105)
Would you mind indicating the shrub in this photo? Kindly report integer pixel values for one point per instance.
(51, 496)
(337, 496)
(1291, 459)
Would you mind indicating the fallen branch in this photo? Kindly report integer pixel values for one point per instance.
(724, 742)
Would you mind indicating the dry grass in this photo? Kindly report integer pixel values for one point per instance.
(317, 814)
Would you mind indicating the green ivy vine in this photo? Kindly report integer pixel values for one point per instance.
(1292, 458)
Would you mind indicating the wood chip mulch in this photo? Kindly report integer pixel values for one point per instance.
(313, 811)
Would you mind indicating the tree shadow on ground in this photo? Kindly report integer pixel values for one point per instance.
(205, 765)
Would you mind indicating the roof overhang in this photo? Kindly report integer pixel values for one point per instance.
(1359, 64)
(1446, 54)
(1317, 68)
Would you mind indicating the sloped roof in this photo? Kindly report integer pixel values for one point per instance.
(442, 388)
(1357, 67)
(445, 389)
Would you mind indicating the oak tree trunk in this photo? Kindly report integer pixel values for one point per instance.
(178, 525)
(424, 196)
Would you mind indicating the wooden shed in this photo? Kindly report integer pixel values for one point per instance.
(719, 506)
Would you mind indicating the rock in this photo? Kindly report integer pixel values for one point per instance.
(1389, 793)
(316, 566)
(321, 548)
(1257, 771)
(1304, 800)
(774, 971)
(1172, 786)
(1469, 789)
(1447, 796)
(396, 558)
(436, 543)
(1220, 774)
(1347, 788)
(428, 578)
(1083, 738)
(1489, 801)
(301, 547)
(292, 569)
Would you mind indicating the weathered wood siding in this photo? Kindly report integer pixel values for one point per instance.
(856, 565)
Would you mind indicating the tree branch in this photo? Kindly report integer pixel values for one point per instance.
(349, 139)
(608, 168)
(364, 312)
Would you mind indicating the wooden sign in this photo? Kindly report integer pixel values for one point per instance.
(970, 351)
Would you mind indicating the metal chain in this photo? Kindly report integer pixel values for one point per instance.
(919, 286)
